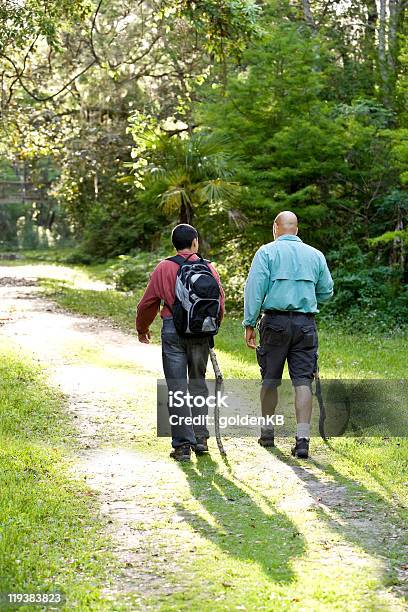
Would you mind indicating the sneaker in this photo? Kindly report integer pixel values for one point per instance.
(181, 453)
(301, 448)
(266, 442)
(201, 446)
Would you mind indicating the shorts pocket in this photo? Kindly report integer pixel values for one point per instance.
(261, 358)
(274, 335)
(309, 336)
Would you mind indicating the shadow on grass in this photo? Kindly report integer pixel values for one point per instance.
(402, 444)
(243, 529)
(357, 514)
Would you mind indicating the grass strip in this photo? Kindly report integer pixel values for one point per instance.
(49, 538)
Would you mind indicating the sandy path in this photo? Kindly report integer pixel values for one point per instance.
(109, 380)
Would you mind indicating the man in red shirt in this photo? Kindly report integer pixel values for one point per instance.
(184, 359)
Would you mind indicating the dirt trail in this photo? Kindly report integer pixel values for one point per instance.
(109, 380)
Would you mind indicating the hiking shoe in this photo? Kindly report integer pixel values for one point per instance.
(201, 446)
(181, 453)
(301, 448)
(266, 442)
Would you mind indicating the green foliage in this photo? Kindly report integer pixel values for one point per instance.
(9, 216)
(400, 150)
(368, 295)
(182, 174)
(28, 233)
(226, 25)
(108, 218)
(78, 257)
(232, 263)
(390, 237)
(109, 233)
(337, 163)
(132, 271)
(29, 217)
(297, 150)
(20, 20)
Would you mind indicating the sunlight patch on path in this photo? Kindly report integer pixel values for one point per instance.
(77, 278)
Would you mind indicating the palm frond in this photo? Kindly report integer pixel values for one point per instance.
(206, 156)
(173, 198)
(238, 218)
(218, 190)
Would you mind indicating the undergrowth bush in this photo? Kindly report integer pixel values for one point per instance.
(367, 295)
(133, 271)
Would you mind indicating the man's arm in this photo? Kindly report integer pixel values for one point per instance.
(256, 287)
(148, 307)
(324, 285)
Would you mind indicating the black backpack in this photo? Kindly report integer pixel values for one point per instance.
(196, 309)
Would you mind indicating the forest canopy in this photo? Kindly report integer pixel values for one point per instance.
(120, 118)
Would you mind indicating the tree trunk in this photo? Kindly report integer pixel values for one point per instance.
(307, 11)
(392, 33)
(390, 24)
(370, 40)
(186, 212)
(96, 186)
(382, 52)
(398, 246)
(396, 8)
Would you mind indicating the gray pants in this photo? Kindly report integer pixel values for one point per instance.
(185, 364)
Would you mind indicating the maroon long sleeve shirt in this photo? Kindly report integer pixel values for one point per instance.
(161, 288)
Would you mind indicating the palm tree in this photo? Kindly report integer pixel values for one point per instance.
(190, 173)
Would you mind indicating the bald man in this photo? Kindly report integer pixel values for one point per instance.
(286, 282)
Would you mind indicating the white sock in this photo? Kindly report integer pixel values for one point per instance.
(303, 430)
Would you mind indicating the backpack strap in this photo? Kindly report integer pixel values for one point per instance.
(206, 261)
(178, 259)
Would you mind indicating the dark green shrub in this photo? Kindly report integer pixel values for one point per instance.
(133, 271)
(367, 294)
(109, 233)
(78, 257)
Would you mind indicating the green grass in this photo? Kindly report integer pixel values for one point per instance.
(50, 255)
(120, 308)
(49, 538)
(57, 257)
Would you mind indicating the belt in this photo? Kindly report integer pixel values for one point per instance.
(290, 313)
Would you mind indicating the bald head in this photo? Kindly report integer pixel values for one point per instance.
(285, 223)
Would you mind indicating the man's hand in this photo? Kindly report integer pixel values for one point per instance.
(250, 337)
(144, 338)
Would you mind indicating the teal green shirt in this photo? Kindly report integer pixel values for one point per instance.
(286, 274)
